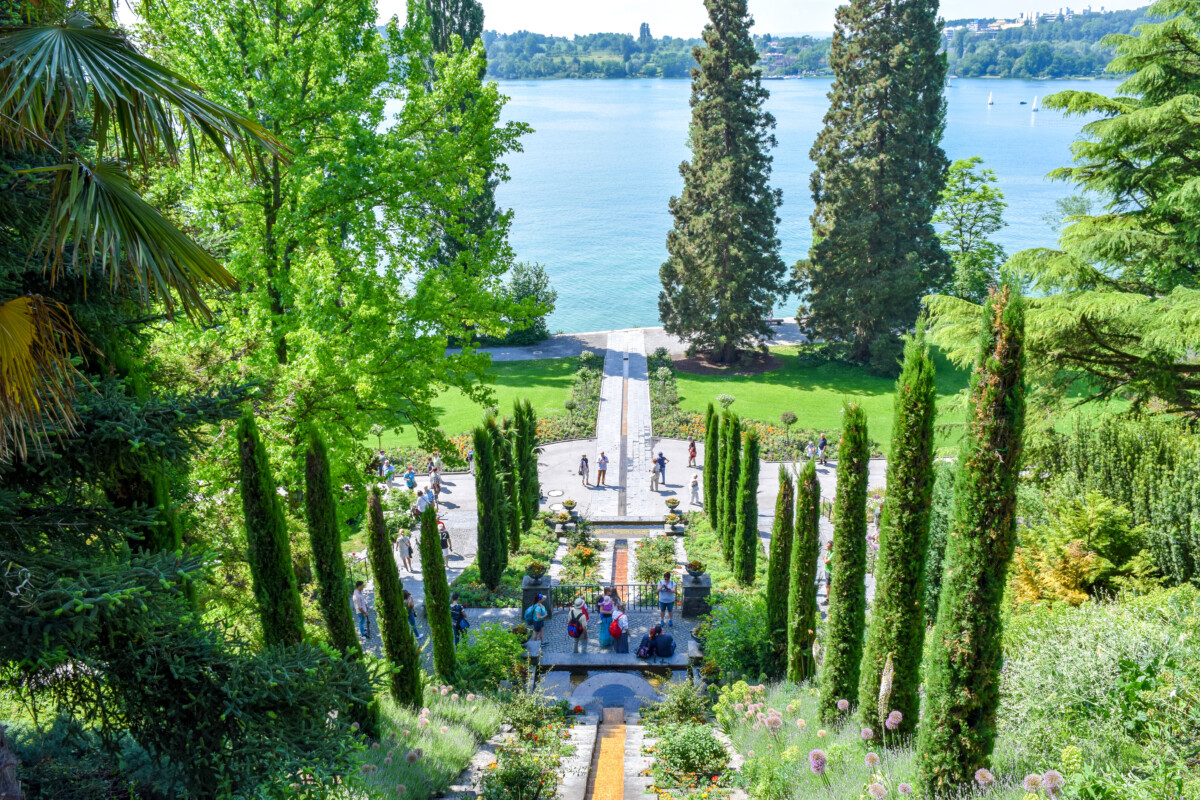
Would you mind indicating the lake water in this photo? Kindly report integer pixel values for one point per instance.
(589, 193)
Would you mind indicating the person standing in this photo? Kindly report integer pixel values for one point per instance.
(691, 452)
(606, 606)
(447, 545)
(458, 617)
(821, 445)
(695, 490)
(419, 508)
(410, 478)
(584, 468)
(359, 601)
(620, 630)
(535, 615)
(436, 462)
(471, 461)
(601, 468)
(435, 483)
(653, 478)
(666, 599)
(661, 461)
(404, 549)
(577, 625)
(430, 497)
(410, 605)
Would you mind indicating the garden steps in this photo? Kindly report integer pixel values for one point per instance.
(637, 785)
(606, 778)
(576, 768)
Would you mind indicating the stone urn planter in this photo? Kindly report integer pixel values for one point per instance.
(673, 523)
(570, 506)
(695, 569)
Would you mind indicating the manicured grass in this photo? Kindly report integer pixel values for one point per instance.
(545, 382)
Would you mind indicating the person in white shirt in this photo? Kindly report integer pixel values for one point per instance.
(601, 469)
(695, 490)
(404, 549)
(666, 599)
(423, 501)
(621, 643)
(359, 601)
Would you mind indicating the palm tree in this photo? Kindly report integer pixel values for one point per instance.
(58, 68)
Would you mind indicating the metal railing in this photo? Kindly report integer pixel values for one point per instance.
(636, 596)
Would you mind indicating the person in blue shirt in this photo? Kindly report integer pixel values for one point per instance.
(661, 461)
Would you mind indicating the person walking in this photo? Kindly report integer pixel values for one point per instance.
(388, 472)
(410, 605)
(404, 549)
(410, 478)
(695, 490)
(691, 452)
(619, 628)
(653, 478)
(577, 625)
(662, 461)
(435, 463)
(359, 601)
(458, 617)
(583, 469)
(535, 616)
(666, 599)
(435, 483)
(601, 469)
(809, 450)
(447, 545)
(821, 445)
(606, 606)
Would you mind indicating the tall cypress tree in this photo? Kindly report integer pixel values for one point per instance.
(328, 563)
(723, 271)
(962, 675)
(879, 172)
(529, 492)
(745, 554)
(437, 596)
(731, 468)
(847, 591)
(399, 643)
(779, 573)
(506, 449)
(712, 464)
(489, 497)
(268, 549)
(802, 591)
(897, 619)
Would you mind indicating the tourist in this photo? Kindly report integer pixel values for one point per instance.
(410, 604)
(810, 450)
(359, 601)
(404, 549)
(619, 629)
(666, 599)
(435, 463)
(662, 461)
(471, 461)
(388, 471)
(606, 606)
(653, 478)
(458, 617)
(821, 445)
(536, 615)
(435, 483)
(583, 469)
(601, 468)
(429, 465)
(664, 643)
(419, 507)
(577, 625)
(645, 647)
(691, 452)
(381, 459)
(447, 545)
(430, 497)
(410, 478)
(695, 490)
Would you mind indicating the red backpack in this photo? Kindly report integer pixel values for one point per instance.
(614, 630)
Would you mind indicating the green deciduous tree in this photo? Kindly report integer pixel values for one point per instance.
(897, 629)
(745, 552)
(326, 539)
(399, 640)
(731, 469)
(779, 572)
(437, 596)
(489, 498)
(723, 272)
(843, 641)
(802, 588)
(971, 208)
(712, 464)
(879, 168)
(267, 546)
(962, 673)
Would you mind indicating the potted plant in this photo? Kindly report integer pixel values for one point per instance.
(695, 568)
(671, 521)
(569, 505)
(672, 503)
(561, 518)
(535, 570)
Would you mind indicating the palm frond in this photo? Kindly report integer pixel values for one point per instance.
(37, 378)
(97, 213)
(50, 74)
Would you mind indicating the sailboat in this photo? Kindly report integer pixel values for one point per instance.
(1035, 104)
(989, 98)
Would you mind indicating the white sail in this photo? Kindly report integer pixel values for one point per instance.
(989, 98)
(1035, 102)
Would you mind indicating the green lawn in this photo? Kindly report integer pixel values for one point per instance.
(815, 391)
(546, 382)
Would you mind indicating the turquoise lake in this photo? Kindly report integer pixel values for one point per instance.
(589, 193)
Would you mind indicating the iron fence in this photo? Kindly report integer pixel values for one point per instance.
(636, 596)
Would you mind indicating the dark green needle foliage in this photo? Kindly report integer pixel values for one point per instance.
(847, 592)
(731, 469)
(437, 596)
(505, 449)
(745, 554)
(897, 618)
(723, 272)
(962, 674)
(717, 509)
(878, 177)
(779, 573)
(268, 549)
(712, 463)
(802, 589)
(489, 496)
(326, 540)
(399, 643)
(529, 492)
(941, 516)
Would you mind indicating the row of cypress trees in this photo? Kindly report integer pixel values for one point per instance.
(506, 487)
(731, 490)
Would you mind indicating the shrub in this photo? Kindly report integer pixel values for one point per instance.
(683, 702)
(493, 655)
(521, 774)
(745, 535)
(655, 555)
(686, 751)
(737, 637)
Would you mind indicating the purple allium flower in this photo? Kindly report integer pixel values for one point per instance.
(893, 720)
(867, 734)
(871, 760)
(843, 705)
(905, 789)
(877, 791)
(984, 778)
(1032, 783)
(817, 760)
(1053, 782)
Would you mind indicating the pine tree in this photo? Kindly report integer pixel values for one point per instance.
(268, 549)
(745, 554)
(731, 467)
(399, 642)
(879, 171)
(529, 492)
(847, 591)
(723, 271)
(962, 673)
(802, 591)
(505, 448)
(437, 596)
(326, 540)
(712, 464)
(897, 629)
(779, 573)
(489, 497)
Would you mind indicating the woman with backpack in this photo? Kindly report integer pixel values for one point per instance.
(619, 629)
(535, 617)
(577, 625)
(606, 606)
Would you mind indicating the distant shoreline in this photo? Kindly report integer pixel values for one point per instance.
(600, 78)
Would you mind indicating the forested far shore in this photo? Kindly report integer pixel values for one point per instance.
(1056, 47)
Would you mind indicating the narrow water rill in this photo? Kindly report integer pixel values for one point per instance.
(607, 779)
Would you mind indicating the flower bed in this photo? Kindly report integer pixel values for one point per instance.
(655, 555)
(526, 765)
(581, 565)
(537, 547)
